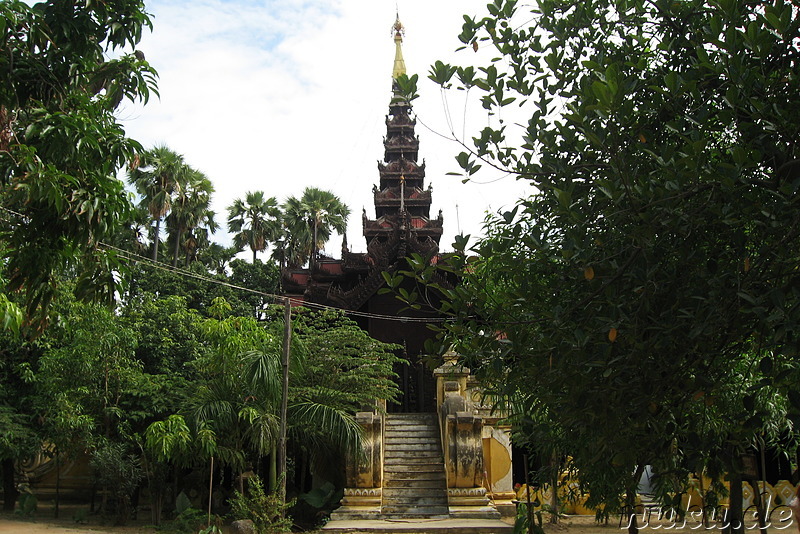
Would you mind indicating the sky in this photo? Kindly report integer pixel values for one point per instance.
(281, 95)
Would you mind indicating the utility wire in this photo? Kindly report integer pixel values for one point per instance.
(137, 258)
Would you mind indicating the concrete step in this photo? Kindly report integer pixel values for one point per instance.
(415, 485)
(413, 502)
(400, 438)
(438, 482)
(411, 423)
(413, 460)
(401, 456)
(401, 426)
(402, 471)
(393, 494)
(392, 434)
(411, 446)
(419, 511)
(406, 423)
(409, 452)
(412, 441)
(411, 438)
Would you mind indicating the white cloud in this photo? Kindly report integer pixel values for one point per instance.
(277, 96)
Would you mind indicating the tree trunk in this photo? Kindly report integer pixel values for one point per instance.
(303, 471)
(554, 471)
(528, 494)
(156, 239)
(58, 483)
(10, 492)
(630, 500)
(273, 467)
(733, 522)
(761, 507)
(156, 504)
(210, 490)
(286, 353)
(177, 248)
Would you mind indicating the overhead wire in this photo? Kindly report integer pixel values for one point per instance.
(137, 258)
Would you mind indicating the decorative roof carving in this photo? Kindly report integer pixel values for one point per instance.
(402, 225)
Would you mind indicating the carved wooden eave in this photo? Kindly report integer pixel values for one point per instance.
(356, 262)
(401, 166)
(402, 143)
(402, 225)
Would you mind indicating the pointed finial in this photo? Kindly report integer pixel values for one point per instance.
(399, 63)
(402, 192)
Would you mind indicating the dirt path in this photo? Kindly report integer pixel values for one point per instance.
(43, 523)
(14, 526)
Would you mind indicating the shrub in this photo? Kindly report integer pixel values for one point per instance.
(266, 511)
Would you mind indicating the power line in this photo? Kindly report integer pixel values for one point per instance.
(137, 258)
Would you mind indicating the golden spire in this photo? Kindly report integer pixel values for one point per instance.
(399, 63)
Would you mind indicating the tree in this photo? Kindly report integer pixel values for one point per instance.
(194, 284)
(256, 221)
(190, 209)
(660, 247)
(167, 332)
(156, 175)
(61, 143)
(262, 278)
(19, 437)
(216, 257)
(233, 409)
(82, 379)
(310, 220)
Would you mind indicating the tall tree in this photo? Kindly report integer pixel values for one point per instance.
(660, 248)
(310, 221)
(256, 221)
(19, 438)
(216, 257)
(156, 175)
(190, 209)
(60, 141)
(262, 278)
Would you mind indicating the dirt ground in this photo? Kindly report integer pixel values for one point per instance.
(13, 525)
(43, 523)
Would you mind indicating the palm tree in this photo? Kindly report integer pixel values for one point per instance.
(190, 208)
(155, 174)
(197, 239)
(256, 221)
(310, 220)
(216, 257)
(241, 396)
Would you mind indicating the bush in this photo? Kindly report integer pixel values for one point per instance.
(189, 521)
(26, 504)
(119, 471)
(266, 511)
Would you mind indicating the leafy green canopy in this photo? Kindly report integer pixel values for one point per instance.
(60, 141)
(256, 221)
(309, 222)
(336, 369)
(654, 272)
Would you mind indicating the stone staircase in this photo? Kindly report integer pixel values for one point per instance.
(415, 485)
(414, 497)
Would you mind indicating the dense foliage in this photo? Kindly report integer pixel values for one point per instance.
(61, 143)
(642, 306)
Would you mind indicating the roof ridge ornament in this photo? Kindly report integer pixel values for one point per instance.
(398, 31)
